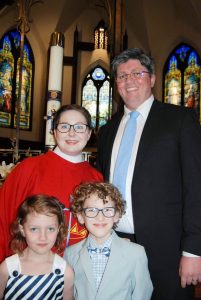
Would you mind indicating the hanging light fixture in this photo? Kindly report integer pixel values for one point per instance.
(101, 36)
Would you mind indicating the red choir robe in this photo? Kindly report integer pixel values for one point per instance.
(45, 174)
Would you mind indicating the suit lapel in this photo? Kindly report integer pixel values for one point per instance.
(151, 127)
(112, 266)
(87, 266)
(110, 138)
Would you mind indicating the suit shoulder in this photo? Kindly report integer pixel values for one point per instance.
(71, 253)
(132, 247)
(114, 119)
(74, 248)
(168, 107)
(173, 114)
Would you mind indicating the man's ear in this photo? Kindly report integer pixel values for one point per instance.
(80, 218)
(153, 79)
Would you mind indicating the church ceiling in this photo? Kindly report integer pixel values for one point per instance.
(4, 3)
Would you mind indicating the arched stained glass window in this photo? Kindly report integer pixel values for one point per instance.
(182, 78)
(97, 95)
(173, 83)
(9, 81)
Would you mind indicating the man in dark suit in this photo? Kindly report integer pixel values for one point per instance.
(163, 182)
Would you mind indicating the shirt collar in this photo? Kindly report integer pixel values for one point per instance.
(74, 159)
(143, 109)
(107, 243)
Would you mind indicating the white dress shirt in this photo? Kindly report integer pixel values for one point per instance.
(126, 222)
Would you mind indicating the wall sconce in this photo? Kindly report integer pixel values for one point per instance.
(101, 36)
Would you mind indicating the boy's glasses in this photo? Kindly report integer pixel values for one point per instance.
(65, 127)
(92, 212)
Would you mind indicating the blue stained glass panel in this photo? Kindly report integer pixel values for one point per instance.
(192, 82)
(9, 80)
(6, 82)
(182, 51)
(98, 74)
(89, 99)
(96, 96)
(182, 78)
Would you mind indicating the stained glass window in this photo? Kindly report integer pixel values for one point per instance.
(97, 95)
(182, 78)
(9, 81)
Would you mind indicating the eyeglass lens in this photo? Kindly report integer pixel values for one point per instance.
(65, 127)
(136, 75)
(92, 212)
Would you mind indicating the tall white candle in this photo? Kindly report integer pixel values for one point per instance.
(55, 69)
(54, 85)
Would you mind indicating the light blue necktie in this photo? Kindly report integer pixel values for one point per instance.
(124, 153)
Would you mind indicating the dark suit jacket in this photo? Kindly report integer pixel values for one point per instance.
(166, 185)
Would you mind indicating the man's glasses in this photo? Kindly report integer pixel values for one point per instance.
(132, 75)
(65, 127)
(92, 212)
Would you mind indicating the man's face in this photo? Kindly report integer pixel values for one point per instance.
(134, 91)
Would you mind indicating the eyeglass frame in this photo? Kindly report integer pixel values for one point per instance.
(133, 75)
(73, 126)
(98, 210)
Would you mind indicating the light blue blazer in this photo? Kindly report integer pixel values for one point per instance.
(126, 276)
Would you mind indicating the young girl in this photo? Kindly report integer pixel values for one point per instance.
(35, 272)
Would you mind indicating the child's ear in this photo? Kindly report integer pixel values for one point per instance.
(80, 218)
(116, 217)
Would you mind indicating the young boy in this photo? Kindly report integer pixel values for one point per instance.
(105, 265)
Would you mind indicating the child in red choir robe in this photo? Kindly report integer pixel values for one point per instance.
(54, 173)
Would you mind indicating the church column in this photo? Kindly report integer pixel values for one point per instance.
(116, 43)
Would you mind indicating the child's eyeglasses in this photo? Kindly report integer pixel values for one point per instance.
(65, 127)
(92, 212)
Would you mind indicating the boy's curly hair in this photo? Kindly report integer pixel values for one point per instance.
(103, 190)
